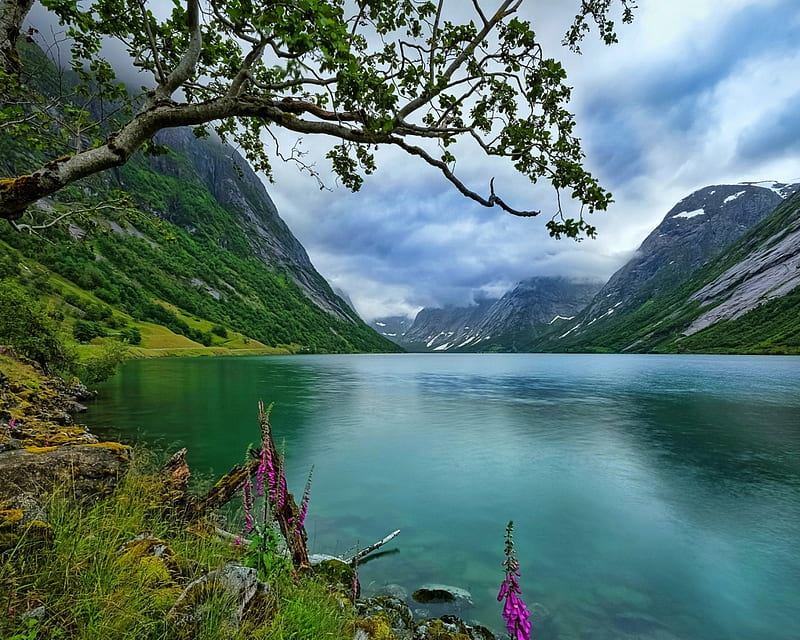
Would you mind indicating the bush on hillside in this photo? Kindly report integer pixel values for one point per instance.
(33, 330)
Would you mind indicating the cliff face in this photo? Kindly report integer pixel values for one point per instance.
(687, 291)
(693, 231)
(770, 271)
(239, 190)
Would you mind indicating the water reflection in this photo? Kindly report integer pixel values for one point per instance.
(654, 497)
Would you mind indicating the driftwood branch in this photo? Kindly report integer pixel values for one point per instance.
(355, 559)
(226, 488)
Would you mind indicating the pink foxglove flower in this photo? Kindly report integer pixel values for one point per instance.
(261, 472)
(515, 613)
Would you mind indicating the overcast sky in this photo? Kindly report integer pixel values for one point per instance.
(697, 92)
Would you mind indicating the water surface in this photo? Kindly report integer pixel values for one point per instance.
(653, 496)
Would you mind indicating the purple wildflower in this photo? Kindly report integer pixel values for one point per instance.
(12, 424)
(282, 491)
(304, 502)
(260, 472)
(248, 507)
(270, 470)
(515, 613)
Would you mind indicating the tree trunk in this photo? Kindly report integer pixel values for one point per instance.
(12, 15)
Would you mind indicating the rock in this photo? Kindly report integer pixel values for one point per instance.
(439, 593)
(395, 590)
(315, 558)
(384, 617)
(450, 628)
(337, 573)
(239, 584)
(88, 470)
(37, 613)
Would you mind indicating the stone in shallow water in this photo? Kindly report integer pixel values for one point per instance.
(439, 593)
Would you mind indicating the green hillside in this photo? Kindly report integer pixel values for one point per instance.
(154, 250)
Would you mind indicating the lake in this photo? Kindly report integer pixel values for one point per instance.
(654, 497)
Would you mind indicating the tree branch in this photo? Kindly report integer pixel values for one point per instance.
(12, 15)
(188, 62)
(491, 201)
(425, 97)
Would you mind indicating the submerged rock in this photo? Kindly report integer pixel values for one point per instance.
(439, 593)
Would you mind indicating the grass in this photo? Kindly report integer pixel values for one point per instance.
(95, 584)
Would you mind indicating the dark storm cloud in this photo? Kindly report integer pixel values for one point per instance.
(615, 143)
(697, 92)
(775, 134)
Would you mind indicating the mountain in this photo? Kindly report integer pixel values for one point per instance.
(239, 190)
(492, 325)
(184, 248)
(687, 290)
(392, 327)
(693, 231)
(447, 328)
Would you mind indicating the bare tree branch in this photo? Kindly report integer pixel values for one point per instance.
(491, 201)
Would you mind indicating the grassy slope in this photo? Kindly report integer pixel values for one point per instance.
(93, 586)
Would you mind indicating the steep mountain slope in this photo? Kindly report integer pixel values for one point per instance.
(694, 230)
(529, 307)
(445, 328)
(745, 300)
(392, 327)
(493, 325)
(239, 190)
(188, 241)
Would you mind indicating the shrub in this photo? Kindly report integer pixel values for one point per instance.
(101, 367)
(219, 330)
(33, 330)
(86, 330)
(131, 335)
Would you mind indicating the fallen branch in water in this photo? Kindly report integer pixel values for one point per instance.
(367, 550)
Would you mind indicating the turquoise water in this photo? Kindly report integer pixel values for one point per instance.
(653, 496)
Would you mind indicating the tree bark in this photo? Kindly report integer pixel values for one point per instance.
(12, 15)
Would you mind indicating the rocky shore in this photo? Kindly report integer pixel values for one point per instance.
(43, 450)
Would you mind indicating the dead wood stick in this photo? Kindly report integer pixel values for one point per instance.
(226, 488)
(367, 550)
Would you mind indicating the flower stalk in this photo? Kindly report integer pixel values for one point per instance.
(515, 613)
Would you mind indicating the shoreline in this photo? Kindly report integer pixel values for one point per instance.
(43, 446)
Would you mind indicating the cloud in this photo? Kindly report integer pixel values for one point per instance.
(776, 133)
(696, 92)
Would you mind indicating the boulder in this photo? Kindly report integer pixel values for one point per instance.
(384, 618)
(450, 628)
(239, 585)
(443, 593)
(85, 469)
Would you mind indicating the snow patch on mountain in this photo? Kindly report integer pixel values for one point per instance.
(733, 197)
(690, 214)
